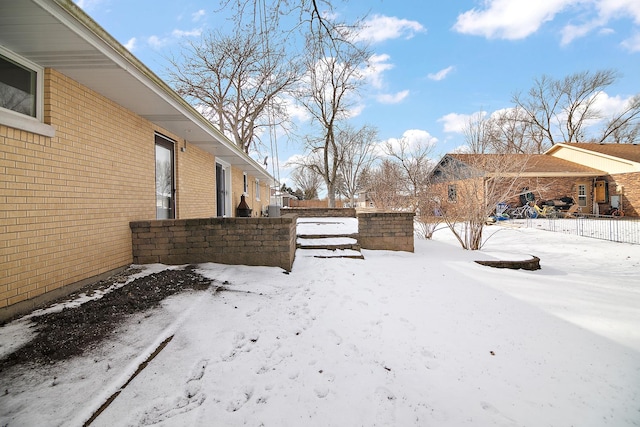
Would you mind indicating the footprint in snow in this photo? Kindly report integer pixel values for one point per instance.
(492, 409)
(337, 338)
(190, 398)
(239, 400)
(385, 407)
(429, 359)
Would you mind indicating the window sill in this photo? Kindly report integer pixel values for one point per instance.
(28, 124)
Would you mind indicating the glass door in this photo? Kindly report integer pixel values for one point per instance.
(165, 191)
(220, 190)
(583, 196)
(223, 188)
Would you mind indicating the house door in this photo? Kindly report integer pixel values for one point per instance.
(222, 190)
(583, 196)
(165, 189)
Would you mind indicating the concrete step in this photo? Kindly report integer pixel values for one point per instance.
(330, 253)
(328, 236)
(328, 243)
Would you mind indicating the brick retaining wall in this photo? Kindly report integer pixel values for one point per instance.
(391, 231)
(237, 241)
(320, 212)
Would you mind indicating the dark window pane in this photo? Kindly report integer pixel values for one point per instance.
(17, 87)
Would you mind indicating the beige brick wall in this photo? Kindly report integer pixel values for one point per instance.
(237, 187)
(66, 202)
(195, 184)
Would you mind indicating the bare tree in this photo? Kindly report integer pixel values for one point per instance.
(477, 132)
(624, 127)
(308, 181)
(510, 133)
(327, 93)
(414, 160)
(562, 110)
(358, 155)
(383, 185)
(236, 81)
(469, 188)
(314, 13)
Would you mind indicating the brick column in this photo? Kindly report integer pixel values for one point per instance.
(386, 230)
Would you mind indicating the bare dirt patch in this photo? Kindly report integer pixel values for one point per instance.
(72, 331)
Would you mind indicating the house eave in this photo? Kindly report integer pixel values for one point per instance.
(57, 34)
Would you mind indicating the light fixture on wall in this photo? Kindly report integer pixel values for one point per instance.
(184, 144)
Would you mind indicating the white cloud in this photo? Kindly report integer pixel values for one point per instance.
(611, 9)
(374, 74)
(157, 42)
(632, 44)
(518, 19)
(509, 19)
(392, 98)
(379, 28)
(418, 136)
(355, 111)
(571, 32)
(442, 74)
(412, 138)
(293, 161)
(454, 122)
(131, 44)
(295, 110)
(376, 66)
(195, 17)
(612, 104)
(192, 33)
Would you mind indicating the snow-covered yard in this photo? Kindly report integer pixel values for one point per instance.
(398, 339)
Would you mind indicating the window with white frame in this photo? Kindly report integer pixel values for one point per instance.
(21, 94)
(245, 184)
(582, 195)
(19, 88)
(257, 189)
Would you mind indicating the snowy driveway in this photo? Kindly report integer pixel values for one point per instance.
(397, 339)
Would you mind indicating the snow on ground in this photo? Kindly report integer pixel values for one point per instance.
(398, 339)
(330, 226)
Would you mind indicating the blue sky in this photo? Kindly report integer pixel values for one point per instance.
(437, 62)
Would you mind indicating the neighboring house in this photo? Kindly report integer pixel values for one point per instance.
(619, 186)
(596, 176)
(281, 198)
(90, 140)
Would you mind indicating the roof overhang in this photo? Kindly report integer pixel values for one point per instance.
(58, 34)
(548, 175)
(628, 165)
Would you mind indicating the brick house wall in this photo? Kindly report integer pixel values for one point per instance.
(195, 189)
(547, 188)
(237, 187)
(66, 201)
(630, 196)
